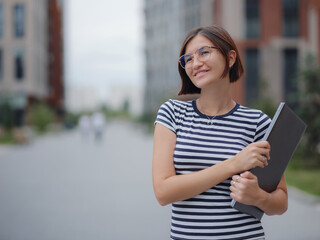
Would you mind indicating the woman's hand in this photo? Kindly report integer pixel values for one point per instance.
(254, 155)
(245, 189)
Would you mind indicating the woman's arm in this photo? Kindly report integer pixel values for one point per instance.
(245, 189)
(169, 187)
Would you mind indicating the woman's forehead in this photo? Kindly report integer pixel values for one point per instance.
(198, 42)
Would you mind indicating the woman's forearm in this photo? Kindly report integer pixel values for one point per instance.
(180, 187)
(275, 203)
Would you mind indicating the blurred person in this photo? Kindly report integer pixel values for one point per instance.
(98, 124)
(203, 148)
(84, 125)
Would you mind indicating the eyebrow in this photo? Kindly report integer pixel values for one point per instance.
(195, 51)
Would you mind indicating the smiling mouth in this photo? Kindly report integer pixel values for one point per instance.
(200, 72)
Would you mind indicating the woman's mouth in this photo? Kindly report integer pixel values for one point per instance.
(200, 73)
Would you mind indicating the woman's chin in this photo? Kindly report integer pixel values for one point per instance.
(202, 83)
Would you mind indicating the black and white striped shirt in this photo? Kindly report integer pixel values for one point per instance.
(201, 143)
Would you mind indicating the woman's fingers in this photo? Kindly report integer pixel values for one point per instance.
(254, 155)
(263, 144)
(264, 152)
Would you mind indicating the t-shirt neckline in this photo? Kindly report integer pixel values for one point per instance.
(194, 105)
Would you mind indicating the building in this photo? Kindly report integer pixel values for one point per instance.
(56, 94)
(166, 24)
(30, 54)
(273, 37)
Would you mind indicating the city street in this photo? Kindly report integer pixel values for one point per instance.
(63, 186)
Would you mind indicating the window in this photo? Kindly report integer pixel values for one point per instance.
(19, 64)
(290, 24)
(252, 19)
(252, 75)
(290, 69)
(19, 20)
(1, 20)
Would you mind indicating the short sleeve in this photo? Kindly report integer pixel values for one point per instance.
(166, 116)
(262, 126)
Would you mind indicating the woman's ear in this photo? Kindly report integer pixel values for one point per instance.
(232, 57)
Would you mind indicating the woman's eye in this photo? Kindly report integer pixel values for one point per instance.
(188, 59)
(204, 52)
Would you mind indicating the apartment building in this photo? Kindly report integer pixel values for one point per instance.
(274, 38)
(166, 24)
(28, 54)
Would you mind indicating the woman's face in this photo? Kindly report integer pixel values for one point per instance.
(205, 73)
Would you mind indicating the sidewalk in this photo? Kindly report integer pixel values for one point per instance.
(301, 221)
(304, 197)
(5, 148)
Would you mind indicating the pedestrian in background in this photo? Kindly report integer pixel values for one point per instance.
(98, 124)
(84, 126)
(204, 148)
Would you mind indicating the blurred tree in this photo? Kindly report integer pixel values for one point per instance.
(266, 105)
(126, 105)
(264, 102)
(309, 109)
(41, 116)
(71, 120)
(6, 115)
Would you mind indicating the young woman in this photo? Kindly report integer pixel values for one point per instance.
(204, 148)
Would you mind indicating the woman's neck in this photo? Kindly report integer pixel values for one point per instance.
(216, 100)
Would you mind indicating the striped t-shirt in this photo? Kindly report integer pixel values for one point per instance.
(201, 143)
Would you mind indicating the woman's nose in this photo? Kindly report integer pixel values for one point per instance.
(196, 63)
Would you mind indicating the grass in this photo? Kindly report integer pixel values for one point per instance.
(6, 138)
(306, 180)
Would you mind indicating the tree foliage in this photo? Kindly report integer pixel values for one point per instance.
(41, 116)
(309, 109)
(6, 115)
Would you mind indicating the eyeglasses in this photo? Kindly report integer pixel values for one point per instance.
(202, 54)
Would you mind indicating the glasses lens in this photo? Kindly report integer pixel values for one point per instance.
(203, 53)
(182, 62)
(185, 60)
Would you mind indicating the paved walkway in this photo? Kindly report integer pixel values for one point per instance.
(65, 187)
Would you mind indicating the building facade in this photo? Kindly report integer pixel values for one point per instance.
(56, 93)
(273, 36)
(27, 54)
(166, 24)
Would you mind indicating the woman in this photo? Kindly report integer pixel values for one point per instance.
(204, 148)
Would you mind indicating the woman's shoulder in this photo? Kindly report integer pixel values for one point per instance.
(177, 105)
(251, 112)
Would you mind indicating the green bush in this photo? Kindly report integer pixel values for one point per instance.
(6, 137)
(6, 116)
(147, 120)
(41, 116)
(71, 120)
(309, 111)
(265, 105)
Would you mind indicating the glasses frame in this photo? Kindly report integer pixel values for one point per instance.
(193, 55)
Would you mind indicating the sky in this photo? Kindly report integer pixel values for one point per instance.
(103, 43)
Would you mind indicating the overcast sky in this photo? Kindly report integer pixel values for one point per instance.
(103, 42)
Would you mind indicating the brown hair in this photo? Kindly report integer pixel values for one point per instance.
(220, 38)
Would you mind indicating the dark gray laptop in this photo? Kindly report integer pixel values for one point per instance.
(284, 134)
